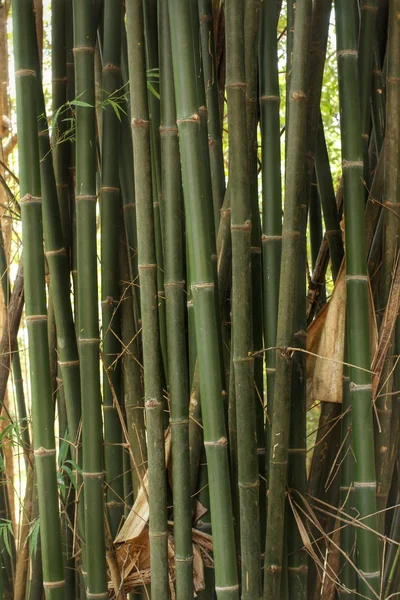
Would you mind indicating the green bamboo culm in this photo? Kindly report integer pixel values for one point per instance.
(35, 300)
(202, 286)
(152, 361)
(287, 312)
(357, 300)
(175, 316)
(88, 322)
(271, 195)
(242, 328)
(110, 288)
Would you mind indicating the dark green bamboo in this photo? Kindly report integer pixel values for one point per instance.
(271, 194)
(390, 244)
(85, 197)
(242, 331)
(214, 119)
(154, 404)
(110, 288)
(348, 577)
(368, 11)
(35, 299)
(175, 313)
(289, 282)
(357, 300)
(60, 148)
(202, 285)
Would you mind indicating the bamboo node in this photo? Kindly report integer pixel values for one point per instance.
(360, 387)
(274, 569)
(54, 584)
(242, 226)
(203, 110)
(211, 144)
(345, 53)
(59, 79)
(348, 164)
(28, 198)
(44, 451)
(249, 486)
(152, 403)
(255, 250)
(85, 198)
(111, 67)
(25, 73)
(158, 534)
(108, 188)
(300, 569)
(393, 80)
(109, 301)
(139, 122)
(68, 363)
(221, 442)
(365, 484)
(178, 421)
(83, 49)
(149, 266)
(59, 252)
(357, 278)
(227, 588)
(270, 98)
(300, 95)
(93, 595)
(89, 340)
(371, 575)
(186, 559)
(92, 475)
(32, 318)
(165, 130)
(201, 286)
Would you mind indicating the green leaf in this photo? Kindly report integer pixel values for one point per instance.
(152, 90)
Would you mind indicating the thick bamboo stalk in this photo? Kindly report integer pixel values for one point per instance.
(154, 404)
(202, 285)
(175, 314)
(110, 288)
(36, 313)
(271, 195)
(289, 281)
(242, 327)
(357, 300)
(88, 322)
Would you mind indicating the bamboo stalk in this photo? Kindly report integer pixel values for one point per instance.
(390, 245)
(35, 299)
(149, 300)
(202, 285)
(357, 299)
(242, 332)
(88, 327)
(110, 288)
(214, 120)
(289, 282)
(175, 314)
(271, 196)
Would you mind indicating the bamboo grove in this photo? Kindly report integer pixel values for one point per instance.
(210, 300)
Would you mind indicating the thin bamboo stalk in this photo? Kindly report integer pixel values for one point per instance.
(214, 119)
(271, 195)
(287, 321)
(357, 299)
(110, 287)
(154, 404)
(202, 285)
(175, 314)
(88, 325)
(242, 328)
(35, 299)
